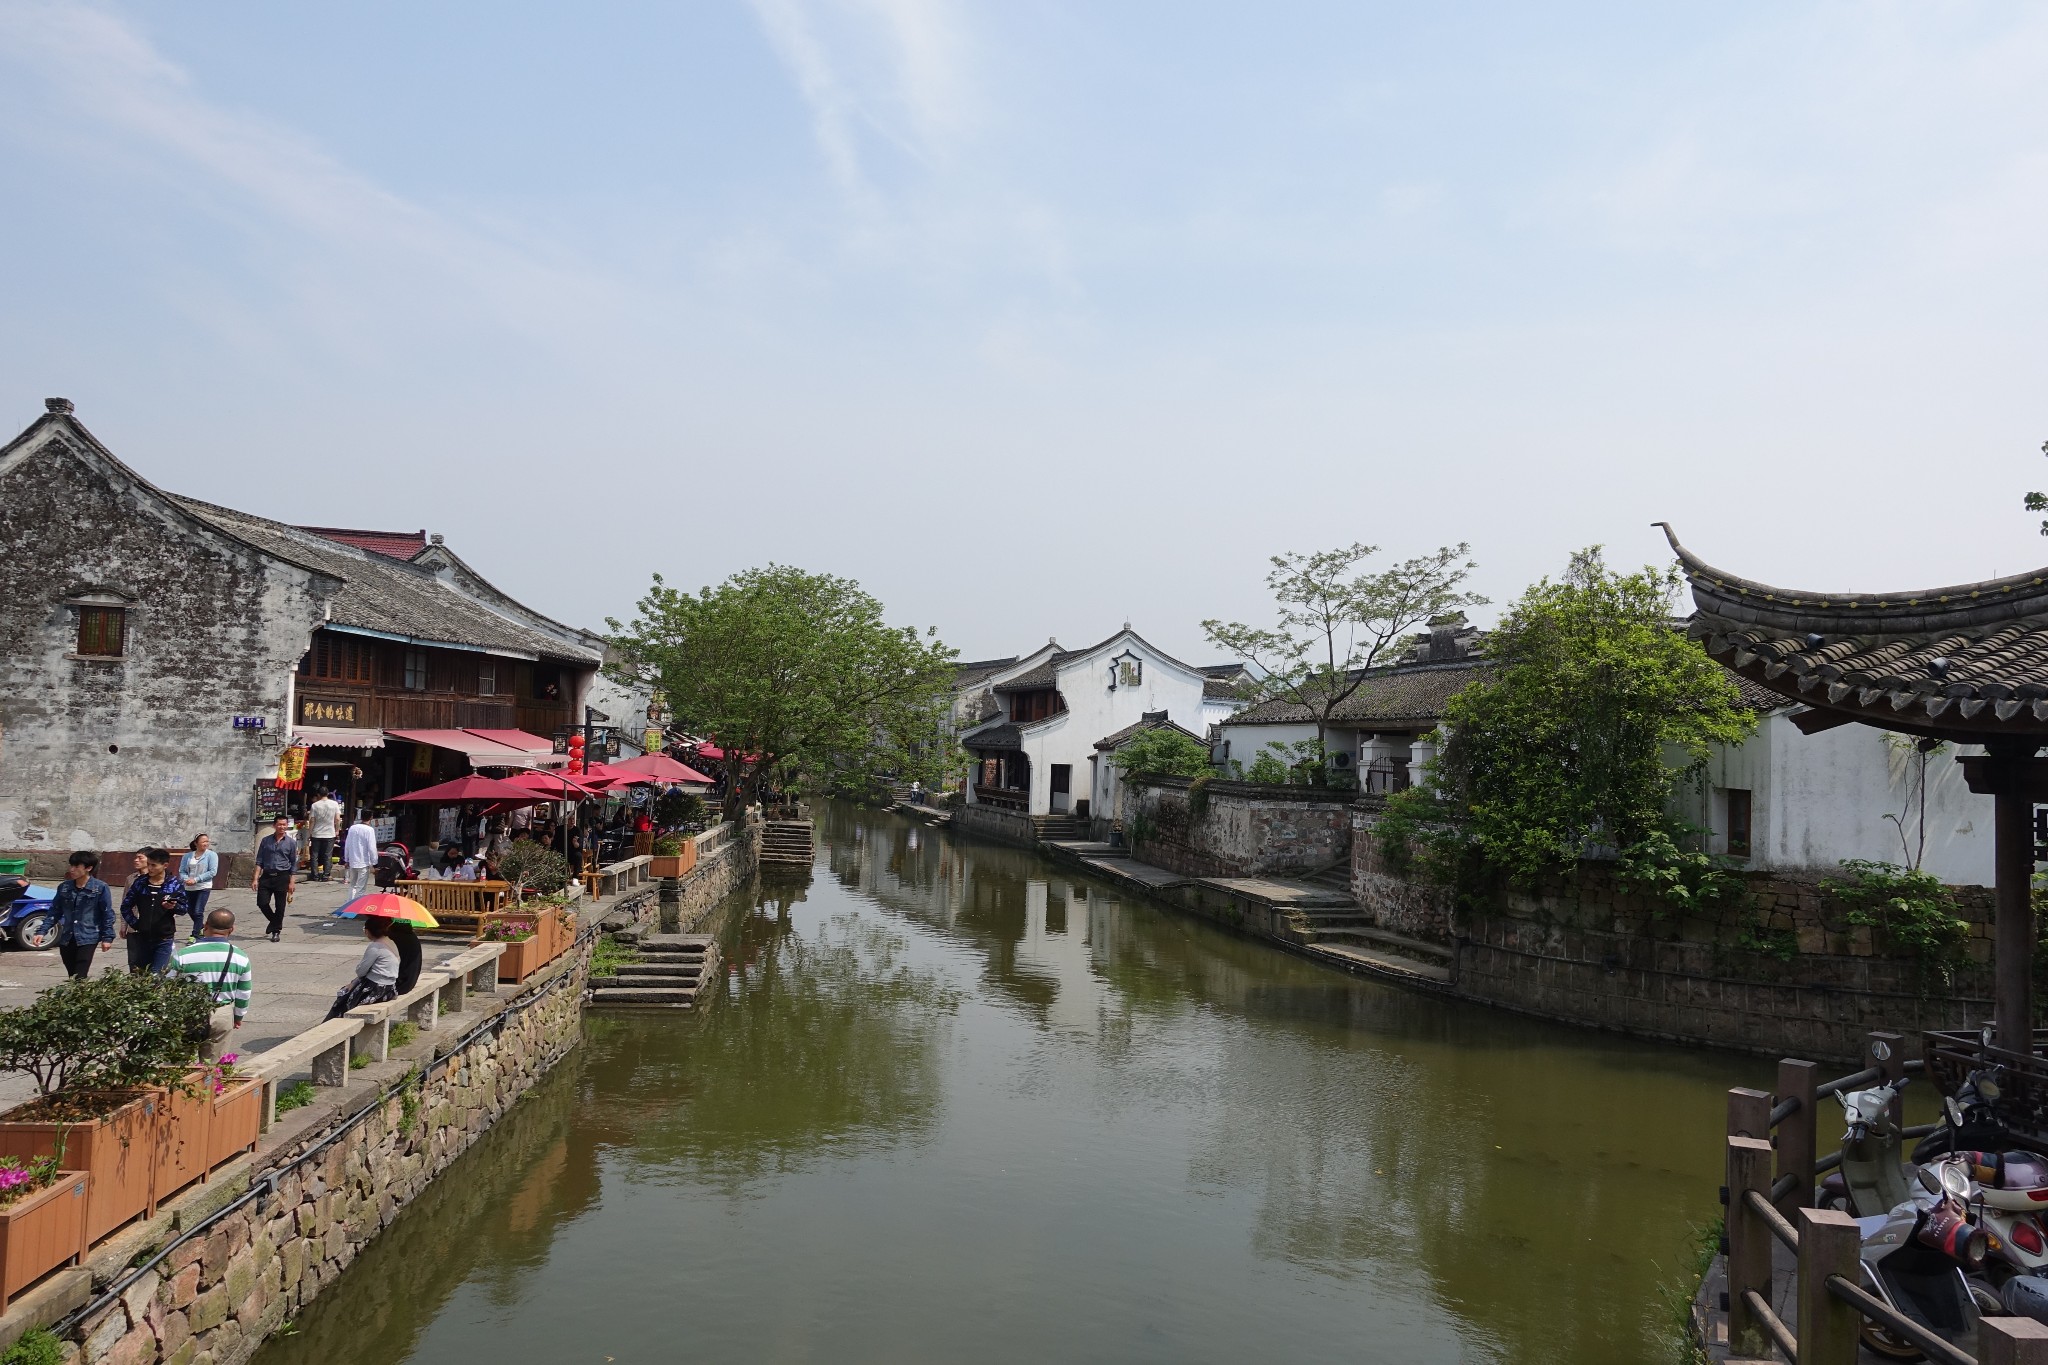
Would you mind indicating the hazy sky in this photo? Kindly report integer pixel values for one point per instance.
(1036, 317)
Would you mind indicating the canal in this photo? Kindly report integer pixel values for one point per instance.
(956, 1104)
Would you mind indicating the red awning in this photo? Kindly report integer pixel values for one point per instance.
(471, 788)
(517, 739)
(483, 748)
(662, 768)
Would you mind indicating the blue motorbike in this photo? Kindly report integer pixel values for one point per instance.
(27, 918)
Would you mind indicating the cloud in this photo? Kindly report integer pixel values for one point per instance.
(108, 76)
(893, 72)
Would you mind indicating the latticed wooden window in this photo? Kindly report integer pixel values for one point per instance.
(102, 631)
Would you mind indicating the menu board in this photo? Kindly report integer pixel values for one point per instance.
(267, 802)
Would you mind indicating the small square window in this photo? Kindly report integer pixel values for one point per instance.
(487, 680)
(102, 631)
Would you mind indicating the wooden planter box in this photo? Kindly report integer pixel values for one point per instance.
(663, 865)
(42, 1231)
(237, 1119)
(119, 1151)
(183, 1122)
(529, 955)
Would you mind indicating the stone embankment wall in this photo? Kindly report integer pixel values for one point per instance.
(1003, 826)
(1587, 950)
(1244, 829)
(215, 1299)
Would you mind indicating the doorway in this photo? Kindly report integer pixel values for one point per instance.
(1062, 785)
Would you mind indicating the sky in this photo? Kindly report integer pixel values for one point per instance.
(1039, 317)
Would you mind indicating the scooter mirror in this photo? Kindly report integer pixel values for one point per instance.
(1955, 1181)
(1955, 1111)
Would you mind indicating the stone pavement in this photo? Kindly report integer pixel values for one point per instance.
(295, 980)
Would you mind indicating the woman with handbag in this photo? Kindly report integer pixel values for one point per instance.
(197, 869)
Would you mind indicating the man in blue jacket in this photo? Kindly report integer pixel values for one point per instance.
(85, 915)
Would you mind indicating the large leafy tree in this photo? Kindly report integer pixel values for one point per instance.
(799, 677)
(1164, 750)
(1336, 619)
(1593, 707)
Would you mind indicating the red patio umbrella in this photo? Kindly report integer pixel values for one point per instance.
(663, 768)
(553, 786)
(472, 788)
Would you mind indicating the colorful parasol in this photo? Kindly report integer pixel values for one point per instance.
(389, 905)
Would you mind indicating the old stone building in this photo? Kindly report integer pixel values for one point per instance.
(157, 653)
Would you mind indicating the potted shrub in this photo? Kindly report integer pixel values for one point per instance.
(42, 1220)
(99, 1051)
(674, 856)
(532, 867)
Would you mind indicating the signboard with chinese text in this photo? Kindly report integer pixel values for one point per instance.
(327, 710)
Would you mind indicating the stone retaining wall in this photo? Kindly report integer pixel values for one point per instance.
(214, 1300)
(1589, 950)
(1245, 829)
(1003, 826)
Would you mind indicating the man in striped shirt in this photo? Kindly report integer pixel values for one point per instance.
(224, 970)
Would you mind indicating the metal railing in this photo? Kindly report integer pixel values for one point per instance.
(1772, 1164)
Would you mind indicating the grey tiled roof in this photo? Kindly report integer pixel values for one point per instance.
(1003, 736)
(1148, 723)
(1968, 660)
(388, 595)
(1041, 676)
(1218, 687)
(1397, 697)
(971, 674)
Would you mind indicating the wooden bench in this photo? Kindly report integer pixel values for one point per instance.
(459, 906)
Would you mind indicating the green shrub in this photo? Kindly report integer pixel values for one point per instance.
(297, 1095)
(1911, 913)
(534, 867)
(1164, 750)
(1267, 769)
(679, 808)
(668, 846)
(106, 1032)
(36, 1347)
(403, 1032)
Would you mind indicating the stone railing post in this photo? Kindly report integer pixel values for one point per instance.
(670, 899)
(2012, 1341)
(1749, 1240)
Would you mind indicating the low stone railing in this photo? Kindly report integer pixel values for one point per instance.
(327, 1048)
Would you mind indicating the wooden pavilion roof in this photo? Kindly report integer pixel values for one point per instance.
(1967, 663)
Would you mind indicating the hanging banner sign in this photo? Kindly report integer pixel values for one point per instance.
(650, 741)
(291, 769)
(422, 760)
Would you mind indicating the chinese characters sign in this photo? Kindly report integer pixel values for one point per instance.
(326, 711)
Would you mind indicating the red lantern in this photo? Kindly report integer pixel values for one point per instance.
(576, 752)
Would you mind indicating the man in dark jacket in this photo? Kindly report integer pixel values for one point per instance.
(150, 913)
(85, 915)
(277, 869)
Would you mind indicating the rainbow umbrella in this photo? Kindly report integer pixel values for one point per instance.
(390, 905)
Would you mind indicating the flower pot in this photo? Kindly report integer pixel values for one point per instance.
(42, 1231)
(118, 1150)
(521, 960)
(181, 1137)
(237, 1119)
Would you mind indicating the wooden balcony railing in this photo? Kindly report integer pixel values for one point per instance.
(1002, 798)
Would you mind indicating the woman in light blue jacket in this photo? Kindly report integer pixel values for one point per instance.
(197, 870)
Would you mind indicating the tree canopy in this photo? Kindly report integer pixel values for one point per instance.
(797, 676)
(1336, 620)
(1164, 750)
(1566, 745)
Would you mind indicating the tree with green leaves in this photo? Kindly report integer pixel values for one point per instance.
(1565, 746)
(1164, 750)
(1336, 620)
(799, 678)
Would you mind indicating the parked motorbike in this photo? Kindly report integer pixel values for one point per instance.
(1918, 1239)
(26, 914)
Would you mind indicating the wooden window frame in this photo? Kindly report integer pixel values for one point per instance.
(1741, 835)
(417, 671)
(92, 618)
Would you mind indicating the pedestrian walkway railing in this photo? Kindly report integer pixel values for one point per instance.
(1772, 1167)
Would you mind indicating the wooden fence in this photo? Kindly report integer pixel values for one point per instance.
(1772, 1164)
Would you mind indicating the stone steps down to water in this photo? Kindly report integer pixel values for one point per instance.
(673, 969)
(787, 842)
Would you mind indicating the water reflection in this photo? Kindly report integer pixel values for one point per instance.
(954, 1103)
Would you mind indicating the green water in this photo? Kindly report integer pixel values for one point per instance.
(957, 1105)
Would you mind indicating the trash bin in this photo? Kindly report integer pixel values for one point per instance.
(13, 867)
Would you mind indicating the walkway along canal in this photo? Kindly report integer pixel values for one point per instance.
(957, 1104)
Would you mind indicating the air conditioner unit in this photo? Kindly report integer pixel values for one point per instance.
(1340, 759)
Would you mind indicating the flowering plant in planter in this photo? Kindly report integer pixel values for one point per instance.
(20, 1177)
(215, 1076)
(509, 930)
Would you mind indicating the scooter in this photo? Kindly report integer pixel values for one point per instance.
(1916, 1241)
(26, 914)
